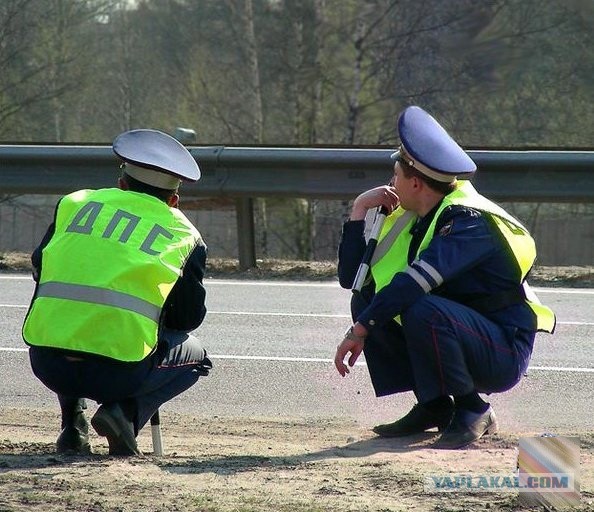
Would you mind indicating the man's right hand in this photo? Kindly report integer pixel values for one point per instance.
(346, 347)
(380, 196)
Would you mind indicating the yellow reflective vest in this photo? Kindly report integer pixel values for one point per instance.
(393, 242)
(106, 273)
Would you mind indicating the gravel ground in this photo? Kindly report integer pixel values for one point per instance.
(569, 276)
(287, 464)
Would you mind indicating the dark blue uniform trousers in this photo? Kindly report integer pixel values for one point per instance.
(442, 348)
(176, 365)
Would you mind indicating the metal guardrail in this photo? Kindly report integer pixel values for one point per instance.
(333, 173)
(243, 173)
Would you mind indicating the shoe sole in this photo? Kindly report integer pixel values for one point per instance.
(106, 426)
(83, 450)
(491, 429)
(428, 430)
(388, 435)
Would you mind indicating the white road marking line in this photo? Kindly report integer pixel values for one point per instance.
(230, 282)
(273, 313)
(333, 284)
(322, 315)
(323, 284)
(580, 291)
(238, 313)
(265, 313)
(560, 369)
(237, 357)
(329, 284)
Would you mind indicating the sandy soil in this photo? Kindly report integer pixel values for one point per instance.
(569, 276)
(274, 465)
(232, 465)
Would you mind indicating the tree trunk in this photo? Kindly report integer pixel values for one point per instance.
(353, 113)
(253, 70)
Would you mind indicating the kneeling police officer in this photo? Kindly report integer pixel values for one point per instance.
(447, 312)
(118, 290)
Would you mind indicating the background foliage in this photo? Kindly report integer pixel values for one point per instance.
(283, 72)
(497, 73)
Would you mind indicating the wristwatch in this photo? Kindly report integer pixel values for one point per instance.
(350, 335)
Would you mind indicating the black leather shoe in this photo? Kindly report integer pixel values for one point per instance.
(418, 420)
(467, 427)
(74, 440)
(111, 422)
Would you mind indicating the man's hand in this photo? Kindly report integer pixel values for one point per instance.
(345, 347)
(380, 196)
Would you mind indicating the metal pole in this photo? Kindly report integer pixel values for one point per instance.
(378, 222)
(156, 434)
(246, 237)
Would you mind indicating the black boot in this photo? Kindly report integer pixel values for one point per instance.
(113, 422)
(418, 420)
(74, 437)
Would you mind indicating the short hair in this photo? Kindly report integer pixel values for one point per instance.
(444, 188)
(144, 188)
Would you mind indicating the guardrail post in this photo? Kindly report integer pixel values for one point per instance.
(246, 237)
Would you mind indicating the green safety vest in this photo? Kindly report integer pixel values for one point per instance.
(391, 254)
(106, 273)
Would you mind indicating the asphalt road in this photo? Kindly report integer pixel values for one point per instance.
(272, 344)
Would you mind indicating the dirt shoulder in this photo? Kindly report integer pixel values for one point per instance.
(568, 276)
(225, 464)
(265, 464)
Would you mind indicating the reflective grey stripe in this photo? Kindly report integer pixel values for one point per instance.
(98, 295)
(383, 246)
(418, 277)
(432, 271)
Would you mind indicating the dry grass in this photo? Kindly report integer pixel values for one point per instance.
(570, 276)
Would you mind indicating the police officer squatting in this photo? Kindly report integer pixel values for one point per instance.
(445, 310)
(118, 290)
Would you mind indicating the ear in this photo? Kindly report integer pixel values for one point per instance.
(123, 184)
(173, 201)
